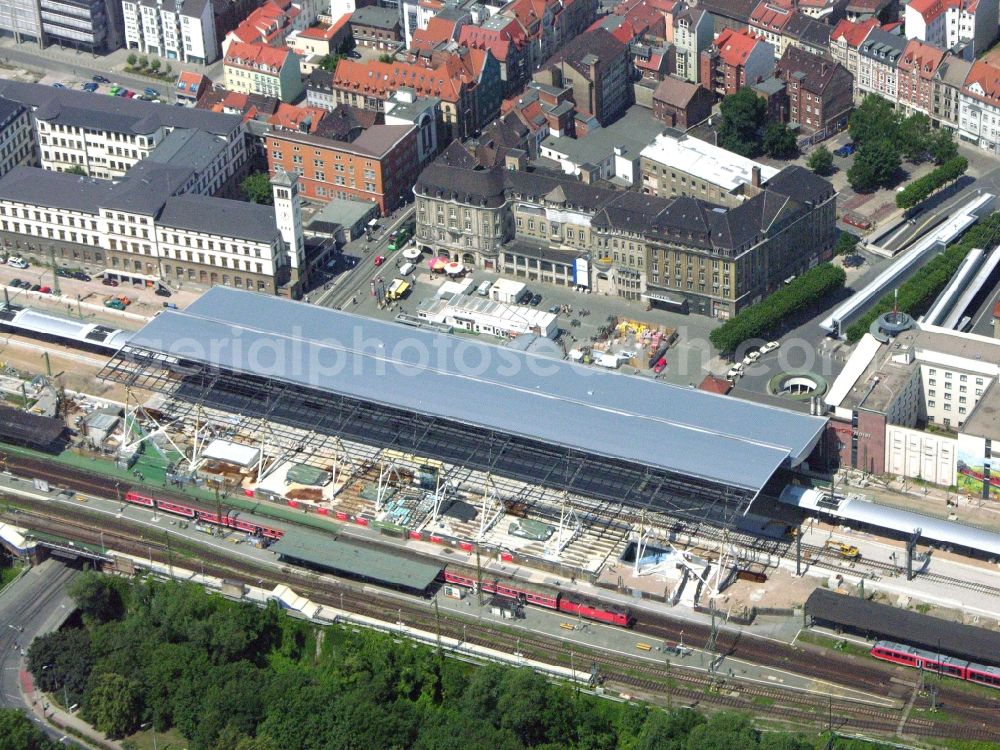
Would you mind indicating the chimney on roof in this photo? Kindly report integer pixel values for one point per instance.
(755, 177)
(823, 68)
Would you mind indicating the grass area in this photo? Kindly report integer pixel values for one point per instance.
(837, 644)
(171, 739)
(987, 693)
(9, 572)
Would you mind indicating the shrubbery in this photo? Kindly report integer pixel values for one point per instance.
(757, 321)
(917, 190)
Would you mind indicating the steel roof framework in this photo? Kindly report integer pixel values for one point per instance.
(279, 402)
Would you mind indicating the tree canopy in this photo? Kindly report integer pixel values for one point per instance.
(18, 733)
(257, 188)
(875, 165)
(744, 117)
(231, 676)
(821, 161)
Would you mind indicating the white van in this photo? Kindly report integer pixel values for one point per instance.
(406, 269)
(484, 289)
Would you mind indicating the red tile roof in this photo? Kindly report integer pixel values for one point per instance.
(771, 15)
(241, 54)
(735, 46)
(300, 119)
(498, 41)
(987, 77)
(931, 9)
(444, 78)
(924, 58)
(853, 33)
(713, 384)
(266, 22)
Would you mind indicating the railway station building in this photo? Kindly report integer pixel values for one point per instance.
(467, 404)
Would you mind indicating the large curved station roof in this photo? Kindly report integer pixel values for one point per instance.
(631, 418)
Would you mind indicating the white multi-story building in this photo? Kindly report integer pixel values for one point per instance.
(878, 64)
(106, 136)
(143, 228)
(948, 23)
(260, 69)
(979, 107)
(172, 29)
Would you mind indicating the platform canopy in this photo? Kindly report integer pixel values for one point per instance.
(566, 414)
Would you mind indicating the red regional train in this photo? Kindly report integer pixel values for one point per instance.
(899, 653)
(521, 591)
(229, 519)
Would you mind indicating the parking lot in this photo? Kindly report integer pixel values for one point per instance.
(159, 91)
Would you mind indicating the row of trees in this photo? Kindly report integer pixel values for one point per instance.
(920, 189)
(18, 733)
(806, 292)
(883, 137)
(745, 128)
(917, 293)
(231, 676)
(149, 65)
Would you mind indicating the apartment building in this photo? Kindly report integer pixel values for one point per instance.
(681, 251)
(375, 27)
(681, 104)
(918, 68)
(979, 107)
(595, 65)
(676, 164)
(768, 21)
(845, 40)
(264, 70)
(379, 164)
(692, 35)
(736, 59)
(507, 40)
(820, 92)
(467, 84)
(17, 137)
(946, 88)
(172, 29)
(142, 228)
(106, 136)
(878, 64)
(948, 23)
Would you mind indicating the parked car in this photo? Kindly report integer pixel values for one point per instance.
(16, 283)
(58, 86)
(751, 357)
(45, 290)
(162, 292)
(114, 304)
(100, 79)
(354, 54)
(770, 346)
(122, 92)
(735, 371)
(150, 91)
(81, 276)
(34, 287)
(17, 262)
(64, 273)
(91, 87)
(536, 300)
(554, 309)
(661, 363)
(846, 150)
(124, 300)
(379, 260)
(129, 94)
(109, 282)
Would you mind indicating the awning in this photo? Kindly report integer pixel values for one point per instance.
(661, 297)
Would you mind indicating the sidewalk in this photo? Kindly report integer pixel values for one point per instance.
(74, 727)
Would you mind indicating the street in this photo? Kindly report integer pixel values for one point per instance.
(33, 605)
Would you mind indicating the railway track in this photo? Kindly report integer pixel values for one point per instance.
(655, 680)
(841, 670)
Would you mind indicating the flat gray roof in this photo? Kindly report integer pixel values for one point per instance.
(617, 416)
(220, 216)
(327, 551)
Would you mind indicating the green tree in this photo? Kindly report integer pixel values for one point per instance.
(62, 659)
(154, 64)
(99, 597)
(920, 189)
(942, 146)
(744, 116)
(875, 166)
(113, 704)
(668, 730)
(385, 58)
(724, 731)
(779, 141)
(873, 120)
(821, 161)
(131, 59)
(913, 136)
(18, 733)
(77, 169)
(257, 188)
(846, 243)
(143, 61)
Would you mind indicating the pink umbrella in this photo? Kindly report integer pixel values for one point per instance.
(438, 264)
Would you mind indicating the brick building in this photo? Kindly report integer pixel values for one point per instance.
(681, 104)
(819, 91)
(736, 59)
(917, 69)
(596, 66)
